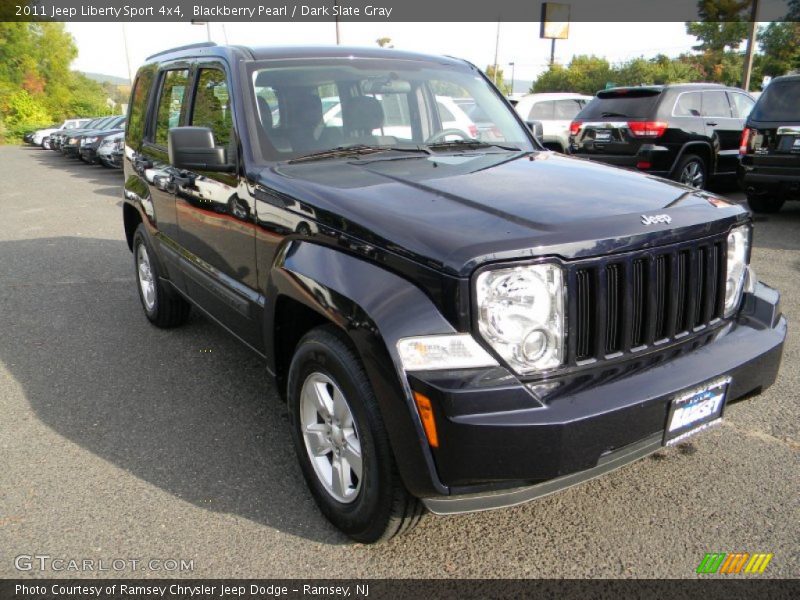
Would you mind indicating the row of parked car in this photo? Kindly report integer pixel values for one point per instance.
(691, 133)
(99, 140)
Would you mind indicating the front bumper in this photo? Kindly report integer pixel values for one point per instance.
(502, 442)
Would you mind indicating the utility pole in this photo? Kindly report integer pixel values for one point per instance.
(552, 51)
(511, 64)
(751, 42)
(496, 52)
(127, 56)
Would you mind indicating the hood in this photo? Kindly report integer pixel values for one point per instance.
(455, 212)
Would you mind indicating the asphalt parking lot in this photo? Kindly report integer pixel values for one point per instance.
(119, 440)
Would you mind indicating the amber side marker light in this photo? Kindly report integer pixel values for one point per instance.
(425, 411)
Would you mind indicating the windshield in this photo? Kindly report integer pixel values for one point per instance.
(308, 107)
(778, 102)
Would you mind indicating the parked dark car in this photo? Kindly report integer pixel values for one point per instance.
(109, 152)
(687, 132)
(770, 147)
(71, 147)
(58, 138)
(89, 142)
(456, 325)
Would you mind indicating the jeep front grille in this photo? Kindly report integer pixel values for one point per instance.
(629, 303)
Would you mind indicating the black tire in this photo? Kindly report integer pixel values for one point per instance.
(764, 205)
(168, 308)
(382, 507)
(685, 166)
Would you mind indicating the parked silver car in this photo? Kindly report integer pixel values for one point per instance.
(555, 112)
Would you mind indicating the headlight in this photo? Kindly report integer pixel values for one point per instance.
(73, 140)
(521, 315)
(738, 245)
(432, 352)
(89, 140)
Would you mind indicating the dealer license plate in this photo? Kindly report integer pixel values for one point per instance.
(695, 410)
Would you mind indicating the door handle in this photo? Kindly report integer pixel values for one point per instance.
(712, 123)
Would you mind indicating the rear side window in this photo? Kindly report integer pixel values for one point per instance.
(689, 104)
(567, 109)
(212, 105)
(715, 104)
(779, 102)
(742, 105)
(170, 104)
(632, 103)
(138, 108)
(541, 110)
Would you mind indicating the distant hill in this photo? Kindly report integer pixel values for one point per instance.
(100, 78)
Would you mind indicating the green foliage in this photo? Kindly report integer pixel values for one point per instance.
(504, 87)
(780, 43)
(37, 86)
(589, 74)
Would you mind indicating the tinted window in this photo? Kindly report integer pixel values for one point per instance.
(715, 104)
(136, 112)
(567, 109)
(625, 103)
(541, 110)
(779, 102)
(689, 104)
(212, 106)
(170, 104)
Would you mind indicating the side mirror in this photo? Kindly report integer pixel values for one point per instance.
(193, 149)
(536, 130)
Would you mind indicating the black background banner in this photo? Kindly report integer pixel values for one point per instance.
(712, 588)
(376, 10)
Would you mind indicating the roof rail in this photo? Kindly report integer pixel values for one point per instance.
(187, 47)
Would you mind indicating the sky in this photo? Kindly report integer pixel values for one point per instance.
(102, 50)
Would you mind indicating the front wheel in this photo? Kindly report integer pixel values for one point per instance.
(341, 441)
(760, 204)
(692, 171)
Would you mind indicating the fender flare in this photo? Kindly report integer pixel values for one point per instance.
(712, 166)
(374, 317)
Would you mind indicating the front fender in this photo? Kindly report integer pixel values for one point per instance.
(375, 308)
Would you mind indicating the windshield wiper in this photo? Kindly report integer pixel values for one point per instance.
(354, 150)
(612, 114)
(471, 145)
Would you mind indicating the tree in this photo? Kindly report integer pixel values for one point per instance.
(780, 43)
(584, 74)
(384, 42)
(37, 86)
(504, 87)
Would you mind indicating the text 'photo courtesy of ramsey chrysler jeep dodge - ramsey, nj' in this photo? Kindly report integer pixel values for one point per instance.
(456, 322)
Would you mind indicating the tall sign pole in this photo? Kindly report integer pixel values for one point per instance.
(751, 42)
(554, 25)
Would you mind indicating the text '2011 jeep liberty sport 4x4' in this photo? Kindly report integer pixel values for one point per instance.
(456, 323)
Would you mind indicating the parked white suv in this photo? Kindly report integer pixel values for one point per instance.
(41, 137)
(555, 111)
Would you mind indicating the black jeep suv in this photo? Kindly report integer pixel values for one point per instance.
(687, 132)
(770, 147)
(456, 324)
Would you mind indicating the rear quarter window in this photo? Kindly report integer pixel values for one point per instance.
(138, 106)
(779, 102)
(633, 104)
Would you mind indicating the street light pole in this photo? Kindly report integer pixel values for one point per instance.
(511, 64)
(127, 55)
(338, 37)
